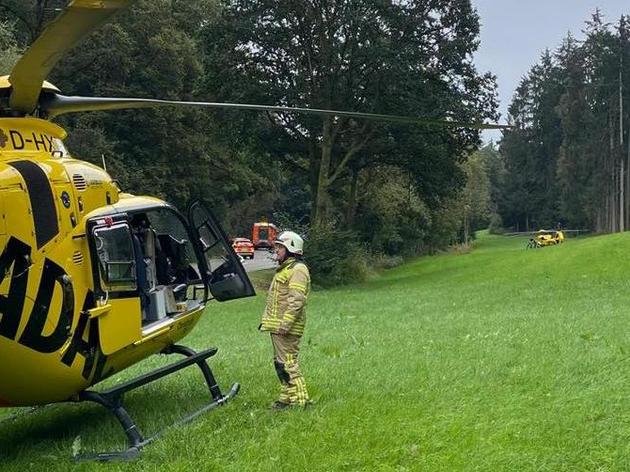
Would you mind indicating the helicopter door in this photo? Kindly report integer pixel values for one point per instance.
(225, 275)
(115, 283)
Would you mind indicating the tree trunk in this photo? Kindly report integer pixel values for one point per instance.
(627, 185)
(610, 171)
(352, 198)
(466, 227)
(321, 192)
(622, 217)
(614, 197)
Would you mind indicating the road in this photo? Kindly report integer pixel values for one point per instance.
(262, 260)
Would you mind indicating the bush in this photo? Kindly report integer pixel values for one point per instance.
(335, 257)
(382, 261)
(496, 225)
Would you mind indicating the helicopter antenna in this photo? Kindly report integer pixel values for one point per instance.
(104, 164)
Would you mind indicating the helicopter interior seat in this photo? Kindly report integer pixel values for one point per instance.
(158, 287)
(141, 270)
(146, 246)
(162, 269)
(155, 259)
(174, 265)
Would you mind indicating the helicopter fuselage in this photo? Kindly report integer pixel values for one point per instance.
(62, 328)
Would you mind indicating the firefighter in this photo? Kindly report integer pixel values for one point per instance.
(285, 317)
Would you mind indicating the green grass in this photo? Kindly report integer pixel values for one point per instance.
(499, 359)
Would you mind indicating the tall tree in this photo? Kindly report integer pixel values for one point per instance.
(388, 57)
(568, 158)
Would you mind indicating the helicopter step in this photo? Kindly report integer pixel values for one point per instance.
(112, 399)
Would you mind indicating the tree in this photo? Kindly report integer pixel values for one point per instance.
(10, 52)
(476, 195)
(151, 50)
(412, 57)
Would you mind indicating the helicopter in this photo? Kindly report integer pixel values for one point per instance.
(94, 279)
(543, 238)
(547, 237)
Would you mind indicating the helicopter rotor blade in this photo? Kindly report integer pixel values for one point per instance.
(56, 104)
(78, 19)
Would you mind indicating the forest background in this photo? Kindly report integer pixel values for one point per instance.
(365, 194)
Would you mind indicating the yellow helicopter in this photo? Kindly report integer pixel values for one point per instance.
(543, 238)
(94, 279)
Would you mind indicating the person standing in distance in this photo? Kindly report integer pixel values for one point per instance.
(285, 316)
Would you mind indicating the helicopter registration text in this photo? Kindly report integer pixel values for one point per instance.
(17, 140)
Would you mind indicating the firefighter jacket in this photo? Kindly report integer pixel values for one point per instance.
(286, 299)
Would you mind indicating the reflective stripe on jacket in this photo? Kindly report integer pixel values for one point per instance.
(286, 299)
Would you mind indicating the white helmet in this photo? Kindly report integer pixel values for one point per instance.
(292, 241)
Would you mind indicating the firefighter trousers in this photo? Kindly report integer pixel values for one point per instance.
(285, 358)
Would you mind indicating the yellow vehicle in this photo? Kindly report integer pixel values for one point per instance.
(544, 238)
(94, 279)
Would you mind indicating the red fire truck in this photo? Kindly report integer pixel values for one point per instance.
(264, 234)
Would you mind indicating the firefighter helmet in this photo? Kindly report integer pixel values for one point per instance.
(292, 241)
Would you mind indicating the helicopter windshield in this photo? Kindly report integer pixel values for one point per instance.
(59, 149)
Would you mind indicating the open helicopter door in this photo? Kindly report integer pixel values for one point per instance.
(224, 273)
(115, 275)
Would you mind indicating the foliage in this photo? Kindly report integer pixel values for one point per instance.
(381, 261)
(412, 58)
(567, 161)
(9, 50)
(496, 224)
(381, 182)
(445, 225)
(394, 219)
(480, 198)
(335, 257)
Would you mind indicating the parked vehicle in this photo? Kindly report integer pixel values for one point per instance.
(264, 234)
(243, 247)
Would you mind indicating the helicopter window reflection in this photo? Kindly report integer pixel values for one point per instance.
(216, 254)
(116, 258)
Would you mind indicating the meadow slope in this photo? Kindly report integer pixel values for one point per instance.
(499, 359)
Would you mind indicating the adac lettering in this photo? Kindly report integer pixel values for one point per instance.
(90, 350)
(15, 261)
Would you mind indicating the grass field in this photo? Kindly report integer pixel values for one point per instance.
(499, 359)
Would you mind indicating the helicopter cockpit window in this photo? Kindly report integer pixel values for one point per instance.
(215, 252)
(117, 265)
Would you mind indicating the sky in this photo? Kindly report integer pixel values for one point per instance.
(514, 33)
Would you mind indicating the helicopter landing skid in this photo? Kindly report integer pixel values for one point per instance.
(112, 399)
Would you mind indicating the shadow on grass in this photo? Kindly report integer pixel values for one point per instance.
(49, 433)
(42, 433)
